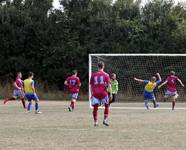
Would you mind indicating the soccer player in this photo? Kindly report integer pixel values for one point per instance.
(73, 84)
(30, 93)
(171, 91)
(99, 82)
(18, 91)
(114, 86)
(149, 89)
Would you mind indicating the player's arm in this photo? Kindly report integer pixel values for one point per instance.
(66, 83)
(159, 77)
(181, 83)
(16, 86)
(79, 83)
(33, 88)
(139, 80)
(162, 84)
(110, 91)
(117, 87)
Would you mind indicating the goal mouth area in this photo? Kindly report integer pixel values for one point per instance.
(116, 63)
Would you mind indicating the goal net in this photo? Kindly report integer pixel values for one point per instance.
(143, 66)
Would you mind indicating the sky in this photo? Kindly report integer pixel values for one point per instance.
(57, 5)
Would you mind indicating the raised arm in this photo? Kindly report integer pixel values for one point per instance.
(162, 84)
(159, 77)
(180, 82)
(139, 80)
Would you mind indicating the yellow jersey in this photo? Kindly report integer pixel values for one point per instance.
(28, 84)
(150, 86)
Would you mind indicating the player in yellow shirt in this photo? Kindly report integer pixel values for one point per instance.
(30, 93)
(149, 89)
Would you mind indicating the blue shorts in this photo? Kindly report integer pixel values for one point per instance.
(31, 97)
(169, 93)
(19, 93)
(103, 101)
(73, 96)
(149, 96)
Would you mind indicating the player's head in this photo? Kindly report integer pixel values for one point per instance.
(74, 72)
(101, 65)
(113, 76)
(153, 79)
(30, 75)
(19, 75)
(172, 73)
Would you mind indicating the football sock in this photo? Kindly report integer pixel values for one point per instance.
(23, 102)
(173, 105)
(29, 106)
(36, 106)
(106, 112)
(95, 112)
(11, 99)
(72, 104)
(146, 104)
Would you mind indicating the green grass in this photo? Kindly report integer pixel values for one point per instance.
(58, 129)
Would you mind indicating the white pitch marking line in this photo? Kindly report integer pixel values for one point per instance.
(143, 108)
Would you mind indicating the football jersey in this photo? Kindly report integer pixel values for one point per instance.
(171, 83)
(19, 83)
(28, 84)
(99, 82)
(150, 86)
(73, 84)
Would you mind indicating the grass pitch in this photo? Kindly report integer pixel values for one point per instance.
(58, 129)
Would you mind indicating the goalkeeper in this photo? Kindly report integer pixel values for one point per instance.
(149, 89)
(114, 86)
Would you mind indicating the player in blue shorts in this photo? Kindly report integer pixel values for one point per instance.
(30, 93)
(149, 89)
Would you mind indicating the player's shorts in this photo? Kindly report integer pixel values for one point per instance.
(149, 96)
(31, 97)
(169, 93)
(73, 96)
(19, 93)
(103, 101)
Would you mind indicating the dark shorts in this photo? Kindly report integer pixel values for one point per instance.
(149, 96)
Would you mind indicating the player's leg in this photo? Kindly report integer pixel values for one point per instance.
(174, 97)
(36, 99)
(74, 97)
(146, 100)
(113, 98)
(155, 103)
(95, 105)
(22, 96)
(105, 101)
(13, 98)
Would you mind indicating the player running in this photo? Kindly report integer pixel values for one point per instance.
(171, 90)
(30, 93)
(18, 91)
(73, 84)
(99, 81)
(149, 89)
(114, 86)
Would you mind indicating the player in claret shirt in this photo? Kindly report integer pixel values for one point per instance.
(171, 90)
(73, 84)
(18, 91)
(99, 82)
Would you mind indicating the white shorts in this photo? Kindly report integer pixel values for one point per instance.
(169, 93)
(103, 101)
(19, 93)
(73, 96)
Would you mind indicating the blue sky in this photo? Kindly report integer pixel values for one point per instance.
(57, 5)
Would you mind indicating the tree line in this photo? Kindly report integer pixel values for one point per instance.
(36, 37)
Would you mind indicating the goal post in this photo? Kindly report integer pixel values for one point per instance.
(144, 66)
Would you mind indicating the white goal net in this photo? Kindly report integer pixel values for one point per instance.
(143, 66)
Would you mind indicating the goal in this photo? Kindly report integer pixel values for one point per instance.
(128, 66)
